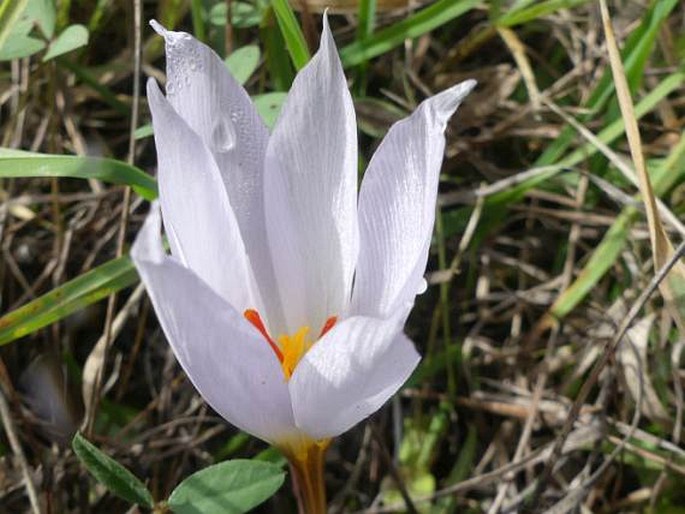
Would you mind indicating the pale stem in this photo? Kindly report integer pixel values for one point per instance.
(306, 466)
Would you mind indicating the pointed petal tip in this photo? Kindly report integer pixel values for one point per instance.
(327, 40)
(158, 28)
(444, 104)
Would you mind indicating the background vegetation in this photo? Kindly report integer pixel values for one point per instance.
(524, 400)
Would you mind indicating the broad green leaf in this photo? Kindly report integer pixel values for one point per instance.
(243, 15)
(269, 106)
(10, 12)
(68, 298)
(243, 62)
(424, 21)
(44, 14)
(71, 38)
(19, 46)
(231, 487)
(26, 164)
(110, 473)
(292, 33)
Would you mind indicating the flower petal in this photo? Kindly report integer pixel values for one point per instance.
(226, 359)
(397, 206)
(311, 192)
(203, 232)
(219, 110)
(349, 374)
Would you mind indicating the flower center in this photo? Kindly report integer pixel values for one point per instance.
(288, 348)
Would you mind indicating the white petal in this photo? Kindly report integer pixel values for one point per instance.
(227, 360)
(202, 228)
(397, 206)
(311, 192)
(220, 111)
(349, 374)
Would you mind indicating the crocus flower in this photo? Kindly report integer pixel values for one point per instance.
(286, 292)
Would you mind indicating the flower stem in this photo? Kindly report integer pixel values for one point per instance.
(306, 465)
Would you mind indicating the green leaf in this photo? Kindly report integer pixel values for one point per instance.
(18, 43)
(537, 10)
(143, 131)
(19, 46)
(275, 54)
(424, 21)
(44, 14)
(198, 13)
(602, 259)
(109, 472)
(243, 15)
(269, 106)
(71, 38)
(68, 298)
(243, 62)
(367, 18)
(231, 487)
(27, 164)
(90, 77)
(636, 51)
(10, 12)
(292, 33)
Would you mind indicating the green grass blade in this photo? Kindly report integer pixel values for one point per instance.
(275, 54)
(602, 259)
(108, 170)
(367, 19)
(616, 129)
(636, 50)
(537, 10)
(412, 27)
(495, 208)
(292, 33)
(88, 77)
(612, 132)
(68, 298)
(614, 241)
(197, 13)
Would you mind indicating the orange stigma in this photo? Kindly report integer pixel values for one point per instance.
(290, 348)
(253, 317)
(330, 322)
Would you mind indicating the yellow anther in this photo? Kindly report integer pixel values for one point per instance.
(293, 348)
(289, 349)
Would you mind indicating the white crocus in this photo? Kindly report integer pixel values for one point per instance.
(285, 293)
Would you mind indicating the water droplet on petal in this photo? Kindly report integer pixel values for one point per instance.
(223, 136)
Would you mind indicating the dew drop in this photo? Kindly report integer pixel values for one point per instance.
(223, 136)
